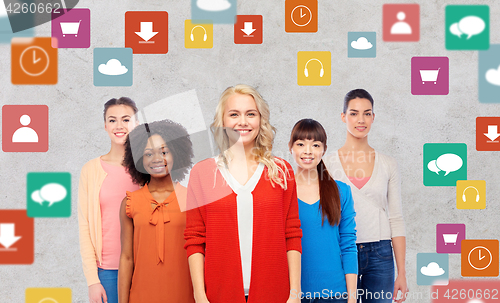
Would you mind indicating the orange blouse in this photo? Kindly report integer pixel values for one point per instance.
(161, 272)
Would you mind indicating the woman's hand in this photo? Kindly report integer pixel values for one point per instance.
(97, 294)
(201, 299)
(400, 285)
(293, 300)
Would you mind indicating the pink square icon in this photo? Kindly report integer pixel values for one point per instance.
(400, 22)
(71, 29)
(449, 238)
(25, 128)
(430, 76)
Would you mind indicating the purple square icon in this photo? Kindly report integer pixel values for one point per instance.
(449, 238)
(430, 76)
(71, 29)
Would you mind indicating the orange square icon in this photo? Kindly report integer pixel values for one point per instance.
(16, 237)
(301, 16)
(487, 136)
(34, 61)
(147, 32)
(479, 258)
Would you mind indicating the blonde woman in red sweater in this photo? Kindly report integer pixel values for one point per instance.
(243, 235)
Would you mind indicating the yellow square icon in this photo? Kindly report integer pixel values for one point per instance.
(471, 194)
(198, 35)
(314, 68)
(48, 295)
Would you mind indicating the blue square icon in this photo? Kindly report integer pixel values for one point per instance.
(6, 33)
(361, 44)
(432, 269)
(219, 11)
(113, 67)
(489, 75)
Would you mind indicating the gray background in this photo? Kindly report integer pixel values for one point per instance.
(403, 122)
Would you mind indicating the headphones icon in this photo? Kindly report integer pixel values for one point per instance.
(321, 72)
(463, 194)
(204, 37)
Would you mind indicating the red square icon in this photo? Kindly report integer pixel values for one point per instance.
(16, 237)
(487, 136)
(248, 29)
(401, 22)
(147, 32)
(479, 258)
(25, 128)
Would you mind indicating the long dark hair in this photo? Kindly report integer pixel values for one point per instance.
(329, 196)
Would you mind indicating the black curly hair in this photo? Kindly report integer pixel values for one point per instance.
(175, 136)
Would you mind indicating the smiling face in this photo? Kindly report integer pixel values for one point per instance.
(157, 158)
(120, 120)
(307, 153)
(241, 119)
(359, 117)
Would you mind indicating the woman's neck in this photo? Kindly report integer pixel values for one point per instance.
(115, 155)
(306, 176)
(355, 144)
(163, 184)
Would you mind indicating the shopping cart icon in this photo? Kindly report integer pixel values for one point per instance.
(429, 75)
(450, 238)
(70, 28)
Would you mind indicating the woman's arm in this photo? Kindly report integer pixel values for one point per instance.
(397, 230)
(197, 270)
(347, 241)
(399, 246)
(351, 281)
(89, 262)
(126, 267)
(293, 257)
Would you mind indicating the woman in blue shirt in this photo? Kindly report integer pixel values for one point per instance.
(326, 211)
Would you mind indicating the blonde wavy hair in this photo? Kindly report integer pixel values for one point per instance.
(263, 142)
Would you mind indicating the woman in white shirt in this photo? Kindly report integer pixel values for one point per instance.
(376, 190)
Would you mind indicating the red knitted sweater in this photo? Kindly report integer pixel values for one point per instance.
(212, 229)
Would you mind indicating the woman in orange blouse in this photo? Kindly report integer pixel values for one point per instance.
(153, 263)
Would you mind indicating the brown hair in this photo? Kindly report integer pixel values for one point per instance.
(120, 101)
(329, 197)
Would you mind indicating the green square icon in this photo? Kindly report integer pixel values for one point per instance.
(48, 195)
(467, 27)
(444, 163)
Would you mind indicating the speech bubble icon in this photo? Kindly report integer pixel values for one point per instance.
(471, 25)
(455, 31)
(53, 192)
(449, 163)
(433, 167)
(35, 196)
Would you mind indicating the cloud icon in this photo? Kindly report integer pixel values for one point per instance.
(362, 43)
(493, 76)
(113, 68)
(213, 5)
(432, 270)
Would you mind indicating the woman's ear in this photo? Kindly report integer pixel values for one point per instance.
(324, 151)
(342, 115)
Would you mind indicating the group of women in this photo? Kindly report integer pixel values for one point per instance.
(246, 228)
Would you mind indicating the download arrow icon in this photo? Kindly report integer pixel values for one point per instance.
(492, 133)
(7, 237)
(146, 32)
(248, 30)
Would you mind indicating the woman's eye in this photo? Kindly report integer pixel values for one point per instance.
(126, 120)
(251, 114)
(368, 114)
(233, 115)
(111, 120)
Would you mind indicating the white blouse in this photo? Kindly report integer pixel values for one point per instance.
(244, 206)
(378, 202)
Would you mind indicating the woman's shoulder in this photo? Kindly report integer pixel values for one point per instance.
(93, 165)
(386, 159)
(343, 187)
(205, 164)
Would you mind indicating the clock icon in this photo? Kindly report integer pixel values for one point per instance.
(34, 61)
(301, 15)
(480, 257)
